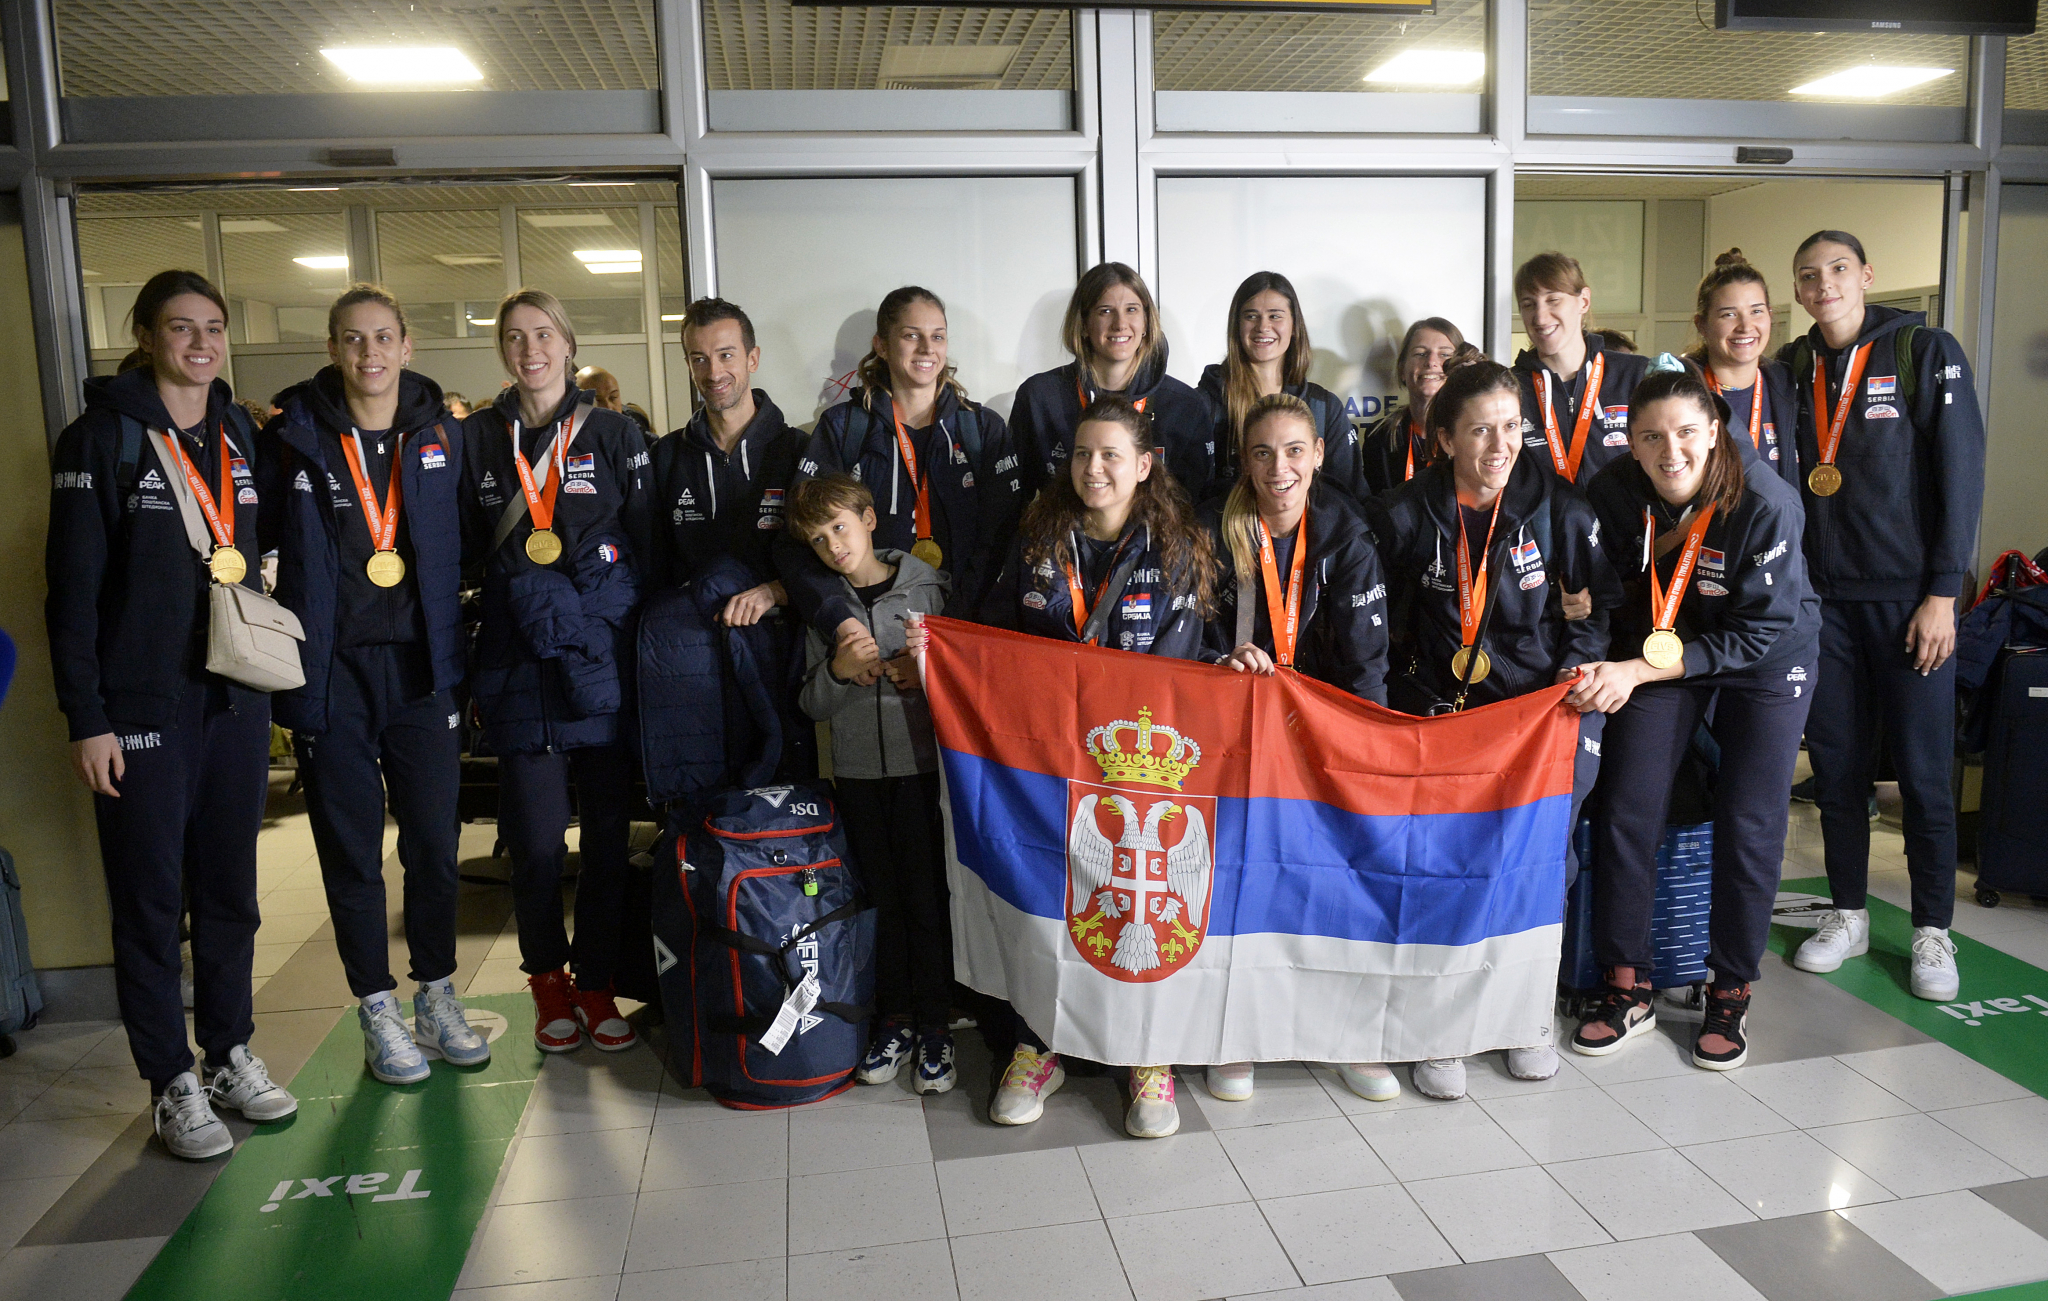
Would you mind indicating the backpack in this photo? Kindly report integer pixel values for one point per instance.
(765, 945)
(21, 999)
(1802, 362)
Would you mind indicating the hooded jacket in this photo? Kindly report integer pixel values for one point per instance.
(1342, 466)
(1776, 451)
(1547, 541)
(878, 731)
(1048, 409)
(976, 487)
(1343, 635)
(1384, 453)
(311, 516)
(1904, 525)
(710, 503)
(1154, 616)
(1607, 433)
(127, 610)
(1749, 617)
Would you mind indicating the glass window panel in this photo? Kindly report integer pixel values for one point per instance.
(280, 272)
(443, 266)
(1605, 235)
(2026, 85)
(590, 259)
(1282, 68)
(116, 255)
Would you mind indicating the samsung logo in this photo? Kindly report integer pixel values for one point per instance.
(1887, 27)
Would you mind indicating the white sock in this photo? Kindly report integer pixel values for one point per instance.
(445, 985)
(371, 1002)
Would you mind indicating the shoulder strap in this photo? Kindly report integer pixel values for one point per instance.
(196, 531)
(1802, 361)
(970, 438)
(515, 510)
(130, 466)
(1907, 371)
(1247, 612)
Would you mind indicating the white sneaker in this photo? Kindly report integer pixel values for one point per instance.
(244, 1085)
(1934, 976)
(1442, 1078)
(1152, 1112)
(1369, 1080)
(440, 1024)
(1844, 933)
(388, 1047)
(1033, 1077)
(1231, 1082)
(186, 1123)
(1538, 1063)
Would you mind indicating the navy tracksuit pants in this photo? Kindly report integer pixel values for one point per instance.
(1758, 730)
(898, 843)
(184, 828)
(533, 814)
(389, 735)
(1869, 690)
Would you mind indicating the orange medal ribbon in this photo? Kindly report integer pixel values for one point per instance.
(1079, 597)
(1567, 463)
(1472, 587)
(1832, 439)
(1082, 393)
(1284, 639)
(1756, 406)
(1664, 604)
(384, 530)
(1414, 437)
(540, 502)
(223, 526)
(921, 515)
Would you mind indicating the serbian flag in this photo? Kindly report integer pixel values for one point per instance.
(1159, 861)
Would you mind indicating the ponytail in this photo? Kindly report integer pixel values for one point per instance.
(873, 370)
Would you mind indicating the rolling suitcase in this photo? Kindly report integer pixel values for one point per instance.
(21, 999)
(1678, 920)
(2012, 832)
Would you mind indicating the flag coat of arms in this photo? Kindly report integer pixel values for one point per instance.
(1158, 861)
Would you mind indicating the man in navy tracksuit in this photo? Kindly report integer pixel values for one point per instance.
(1889, 546)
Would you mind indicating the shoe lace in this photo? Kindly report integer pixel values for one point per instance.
(187, 1111)
(551, 997)
(1028, 1069)
(1616, 1003)
(1152, 1083)
(1933, 949)
(446, 1011)
(1725, 1012)
(935, 1052)
(1832, 923)
(392, 1036)
(599, 1005)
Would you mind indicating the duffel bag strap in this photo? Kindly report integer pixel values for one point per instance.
(756, 1026)
(748, 944)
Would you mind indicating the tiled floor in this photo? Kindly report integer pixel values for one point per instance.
(1852, 1159)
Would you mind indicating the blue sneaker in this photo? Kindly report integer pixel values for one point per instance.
(892, 1047)
(387, 1045)
(439, 1025)
(935, 1073)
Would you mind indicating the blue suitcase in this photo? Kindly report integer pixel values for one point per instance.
(1678, 919)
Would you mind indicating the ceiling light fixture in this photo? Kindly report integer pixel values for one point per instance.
(324, 262)
(558, 220)
(312, 189)
(598, 185)
(611, 268)
(666, 316)
(1870, 81)
(609, 261)
(1430, 68)
(469, 259)
(478, 320)
(407, 65)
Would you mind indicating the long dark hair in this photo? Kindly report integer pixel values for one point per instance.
(1240, 384)
(1724, 483)
(1467, 375)
(873, 369)
(160, 289)
(1161, 505)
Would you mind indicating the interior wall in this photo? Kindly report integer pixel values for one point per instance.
(1899, 222)
(45, 814)
(2017, 456)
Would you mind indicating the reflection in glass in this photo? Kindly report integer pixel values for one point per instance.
(1228, 50)
(116, 255)
(439, 264)
(281, 271)
(776, 45)
(590, 259)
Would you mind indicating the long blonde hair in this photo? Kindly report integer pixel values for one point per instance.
(1100, 279)
(548, 305)
(1241, 508)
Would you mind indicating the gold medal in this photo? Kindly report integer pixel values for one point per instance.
(1662, 649)
(227, 565)
(1825, 480)
(928, 551)
(385, 568)
(1477, 658)
(543, 546)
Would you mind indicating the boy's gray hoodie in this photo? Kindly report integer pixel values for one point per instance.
(878, 731)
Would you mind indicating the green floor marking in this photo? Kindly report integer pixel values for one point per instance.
(2000, 1019)
(370, 1191)
(2017, 1292)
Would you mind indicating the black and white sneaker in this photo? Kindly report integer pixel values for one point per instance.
(1728, 1017)
(185, 1121)
(892, 1047)
(935, 1071)
(1625, 1012)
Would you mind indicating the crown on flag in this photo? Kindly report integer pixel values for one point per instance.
(1142, 763)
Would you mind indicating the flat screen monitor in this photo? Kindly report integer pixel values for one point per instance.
(1948, 17)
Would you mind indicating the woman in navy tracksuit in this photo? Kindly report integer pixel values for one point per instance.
(1893, 487)
(1397, 447)
(1266, 350)
(359, 484)
(1109, 554)
(1567, 430)
(1296, 543)
(178, 758)
(1485, 547)
(1112, 329)
(559, 583)
(945, 474)
(1717, 613)
(1734, 323)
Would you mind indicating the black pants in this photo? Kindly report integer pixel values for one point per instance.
(892, 826)
(388, 735)
(1585, 775)
(1868, 689)
(184, 828)
(1759, 735)
(533, 813)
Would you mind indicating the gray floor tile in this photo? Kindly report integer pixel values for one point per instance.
(558, 1167)
(1819, 1257)
(19, 1088)
(1073, 1262)
(1797, 1015)
(1208, 1251)
(1308, 1156)
(738, 1148)
(132, 1188)
(550, 1240)
(704, 1226)
(857, 1138)
(2026, 1200)
(41, 1149)
(1137, 1177)
(909, 1269)
(1675, 1268)
(864, 1208)
(23, 1202)
(740, 1280)
(1358, 1233)
(1525, 1278)
(1956, 1241)
(55, 1046)
(97, 1271)
(1020, 1190)
(1085, 1112)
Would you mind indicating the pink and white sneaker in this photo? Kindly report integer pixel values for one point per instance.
(1152, 1113)
(1032, 1078)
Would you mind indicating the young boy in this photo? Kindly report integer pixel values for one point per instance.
(885, 766)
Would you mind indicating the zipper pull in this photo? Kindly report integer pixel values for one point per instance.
(809, 880)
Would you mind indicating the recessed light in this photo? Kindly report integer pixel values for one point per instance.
(594, 185)
(312, 189)
(1871, 80)
(469, 259)
(607, 255)
(324, 262)
(409, 65)
(610, 268)
(666, 316)
(1430, 68)
(558, 220)
(240, 226)
(478, 320)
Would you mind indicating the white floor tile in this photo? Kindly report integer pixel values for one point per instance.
(857, 1138)
(269, 957)
(1652, 1057)
(42, 1148)
(603, 1287)
(1570, 1124)
(742, 1280)
(1282, 1092)
(1070, 1262)
(1358, 1233)
(1698, 1107)
(864, 1208)
(1915, 1155)
(1775, 1175)
(1818, 1091)
(558, 1167)
(681, 1227)
(1357, 1289)
(923, 1270)
(575, 1097)
(1164, 1174)
(1352, 1105)
(1506, 1213)
(83, 1271)
(1308, 1156)
(1207, 1251)
(550, 1240)
(1958, 1241)
(290, 928)
(1449, 1139)
(1486, 1076)
(1648, 1194)
(496, 976)
(1933, 1076)
(55, 1046)
(2016, 1132)
(738, 1148)
(1677, 1268)
(1016, 1190)
(19, 1088)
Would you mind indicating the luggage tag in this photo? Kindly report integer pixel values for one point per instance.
(795, 1008)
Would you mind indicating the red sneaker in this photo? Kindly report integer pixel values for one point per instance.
(555, 1027)
(600, 1018)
